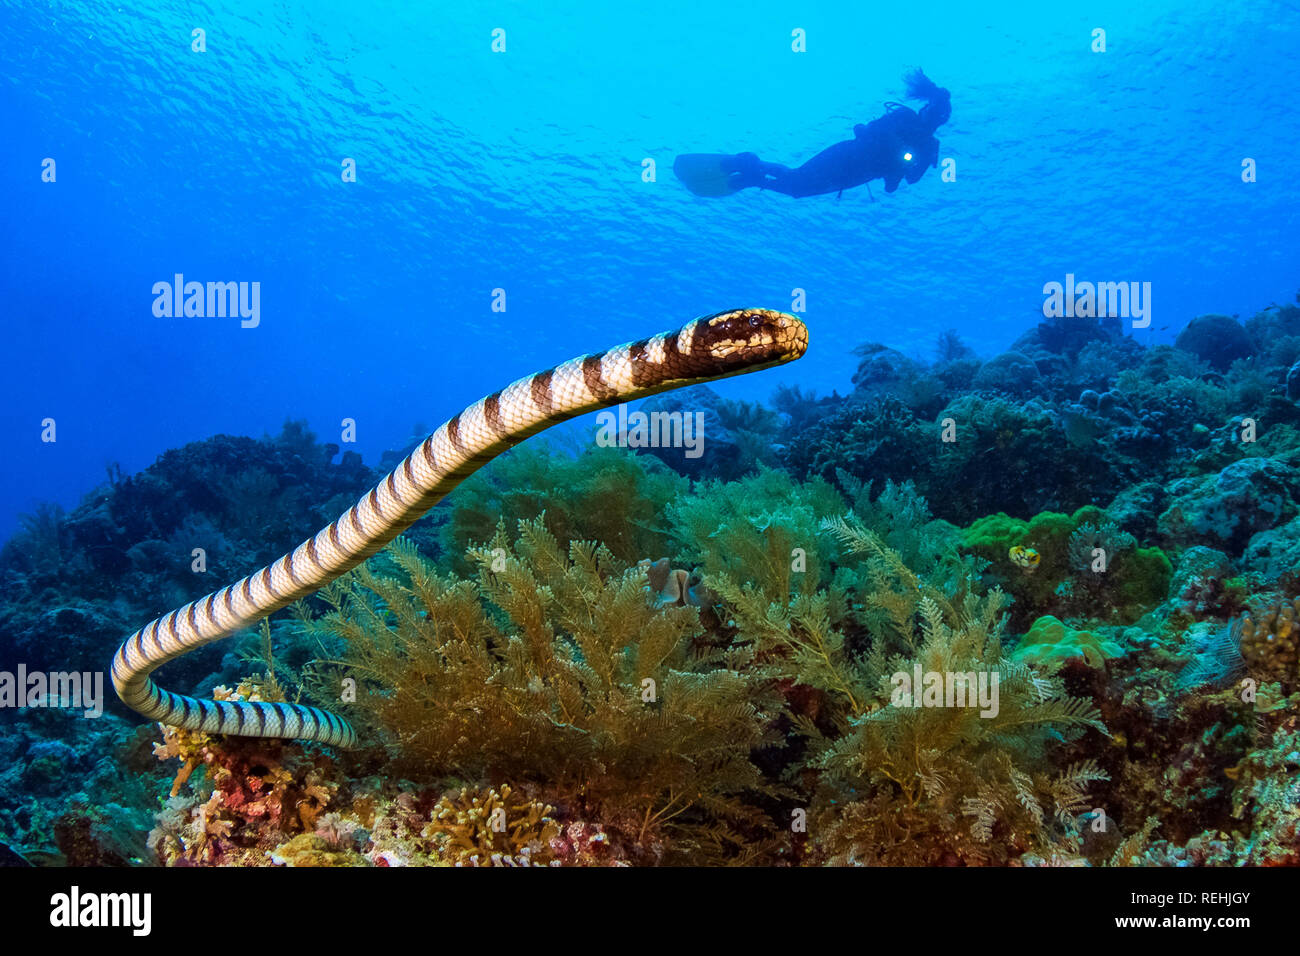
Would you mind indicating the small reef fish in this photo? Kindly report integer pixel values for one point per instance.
(1024, 558)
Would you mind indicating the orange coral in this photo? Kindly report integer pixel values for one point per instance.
(256, 793)
(493, 828)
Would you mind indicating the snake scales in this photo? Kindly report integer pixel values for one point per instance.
(717, 346)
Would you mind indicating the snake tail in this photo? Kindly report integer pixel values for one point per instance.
(717, 346)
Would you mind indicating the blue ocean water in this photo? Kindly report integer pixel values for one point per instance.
(523, 171)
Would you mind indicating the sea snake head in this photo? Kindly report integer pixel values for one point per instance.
(746, 340)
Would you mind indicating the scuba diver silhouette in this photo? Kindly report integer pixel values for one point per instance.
(899, 145)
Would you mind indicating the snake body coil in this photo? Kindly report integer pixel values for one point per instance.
(729, 343)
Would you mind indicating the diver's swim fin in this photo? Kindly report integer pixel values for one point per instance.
(710, 174)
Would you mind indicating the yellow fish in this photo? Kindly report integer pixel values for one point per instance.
(1024, 558)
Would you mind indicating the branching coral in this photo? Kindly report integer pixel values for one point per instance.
(1268, 792)
(762, 529)
(194, 748)
(921, 784)
(608, 495)
(493, 827)
(254, 794)
(559, 668)
(1091, 546)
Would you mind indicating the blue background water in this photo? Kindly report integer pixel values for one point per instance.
(523, 171)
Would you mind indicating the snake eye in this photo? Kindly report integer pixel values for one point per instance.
(755, 321)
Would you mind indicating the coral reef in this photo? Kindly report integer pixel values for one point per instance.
(740, 436)
(199, 516)
(1227, 509)
(881, 372)
(1275, 552)
(557, 667)
(923, 784)
(1012, 373)
(252, 794)
(493, 828)
(1086, 565)
(537, 479)
(781, 652)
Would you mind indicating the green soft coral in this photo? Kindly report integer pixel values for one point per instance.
(555, 665)
(608, 495)
(762, 529)
(1048, 533)
(1051, 644)
(1134, 580)
(1142, 578)
(927, 785)
(901, 785)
